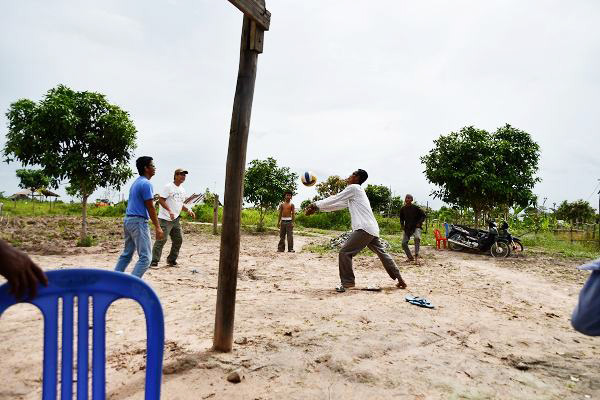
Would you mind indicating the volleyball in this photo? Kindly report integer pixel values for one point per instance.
(308, 178)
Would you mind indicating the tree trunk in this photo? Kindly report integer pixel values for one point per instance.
(84, 219)
(261, 219)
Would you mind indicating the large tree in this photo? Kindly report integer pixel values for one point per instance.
(577, 211)
(379, 197)
(264, 186)
(32, 180)
(477, 169)
(78, 137)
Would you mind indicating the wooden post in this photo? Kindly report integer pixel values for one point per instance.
(251, 46)
(216, 215)
(571, 234)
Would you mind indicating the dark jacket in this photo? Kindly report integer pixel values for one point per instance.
(411, 218)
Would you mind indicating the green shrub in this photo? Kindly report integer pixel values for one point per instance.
(87, 241)
(336, 220)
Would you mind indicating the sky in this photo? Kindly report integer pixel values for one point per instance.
(368, 85)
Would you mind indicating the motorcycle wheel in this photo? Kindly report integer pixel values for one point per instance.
(517, 247)
(500, 250)
(454, 246)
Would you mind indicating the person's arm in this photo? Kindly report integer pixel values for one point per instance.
(152, 211)
(338, 201)
(163, 203)
(293, 214)
(279, 218)
(421, 219)
(189, 211)
(402, 218)
(22, 274)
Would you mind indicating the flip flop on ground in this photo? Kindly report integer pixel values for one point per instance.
(419, 301)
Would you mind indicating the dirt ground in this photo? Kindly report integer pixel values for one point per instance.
(500, 329)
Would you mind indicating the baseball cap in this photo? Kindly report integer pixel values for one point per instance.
(180, 171)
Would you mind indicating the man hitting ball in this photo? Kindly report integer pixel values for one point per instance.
(365, 230)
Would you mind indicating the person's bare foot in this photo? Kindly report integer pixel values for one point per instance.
(401, 284)
(417, 262)
(408, 261)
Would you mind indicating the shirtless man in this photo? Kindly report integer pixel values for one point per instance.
(285, 223)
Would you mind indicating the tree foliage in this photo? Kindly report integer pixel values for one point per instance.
(379, 197)
(265, 183)
(32, 179)
(329, 187)
(74, 136)
(477, 169)
(577, 211)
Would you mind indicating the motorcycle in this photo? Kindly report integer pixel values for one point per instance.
(462, 237)
(513, 241)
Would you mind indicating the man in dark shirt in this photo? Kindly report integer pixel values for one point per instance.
(411, 220)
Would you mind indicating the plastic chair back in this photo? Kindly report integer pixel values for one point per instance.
(101, 288)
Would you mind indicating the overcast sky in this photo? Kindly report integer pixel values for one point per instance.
(341, 84)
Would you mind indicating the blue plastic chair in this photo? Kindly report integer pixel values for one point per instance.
(104, 287)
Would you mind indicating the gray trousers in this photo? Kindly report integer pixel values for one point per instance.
(406, 238)
(173, 230)
(286, 228)
(355, 243)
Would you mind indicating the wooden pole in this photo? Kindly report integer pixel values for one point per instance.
(216, 215)
(251, 46)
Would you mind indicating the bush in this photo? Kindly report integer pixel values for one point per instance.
(336, 220)
(87, 241)
(117, 210)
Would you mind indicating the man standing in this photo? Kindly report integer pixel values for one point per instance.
(365, 230)
(140, 207)
(411, 220)
(285, 223)
(171, 203)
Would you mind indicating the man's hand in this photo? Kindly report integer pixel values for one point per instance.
(172, 215)
(310, 209)
(279, 224)
(191, 214)
(22, 274)
(160, 235)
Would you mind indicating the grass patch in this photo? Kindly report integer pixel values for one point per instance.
(87, 241)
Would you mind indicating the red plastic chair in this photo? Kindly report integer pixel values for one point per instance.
(439, 238)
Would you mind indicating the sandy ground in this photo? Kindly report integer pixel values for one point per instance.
(500, 328)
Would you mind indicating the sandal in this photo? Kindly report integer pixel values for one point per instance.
(419, 301)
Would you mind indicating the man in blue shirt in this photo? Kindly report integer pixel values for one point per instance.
(140, 207)
(586, 316)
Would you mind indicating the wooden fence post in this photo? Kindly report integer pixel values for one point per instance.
(571, 234)
(251, 46)
(216, 215)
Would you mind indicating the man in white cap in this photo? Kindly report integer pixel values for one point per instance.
(171, 202)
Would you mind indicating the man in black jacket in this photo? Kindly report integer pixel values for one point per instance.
(411, 220)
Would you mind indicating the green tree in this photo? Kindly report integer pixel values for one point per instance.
(332, 186)
(32, 179)
(476, 169)
(379, 197)
(74, 136)
(396, 204)
(209, 197)
(264, 186)
(577, 211)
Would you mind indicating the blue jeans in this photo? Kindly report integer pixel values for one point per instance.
(137, 238)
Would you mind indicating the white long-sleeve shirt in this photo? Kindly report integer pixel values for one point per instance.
(355, 199)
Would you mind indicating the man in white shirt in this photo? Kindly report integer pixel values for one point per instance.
(171, 203)
(365, 230)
